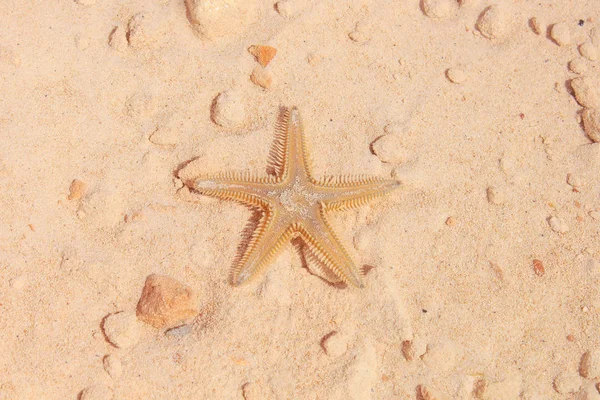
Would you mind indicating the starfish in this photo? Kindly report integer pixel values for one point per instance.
(291, 203)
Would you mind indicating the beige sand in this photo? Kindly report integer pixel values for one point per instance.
(481, 126)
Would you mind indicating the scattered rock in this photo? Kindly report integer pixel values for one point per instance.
(220, 18)
(585, 92)
(334, 344)
(560, 34)
(493, 23)
(77, 189)
(118, 39)
(588, 51)
(537, 25)
(574, 180)
(166, 303)
(263, 54)
(113, 366)
(122, 329)
(557, 225)
(455, 75)
(591, 124)
(578, 66)
(389, 149)
(441, 356)
(96, 392)
(589, 367)
(361, 33)
(437, 8)
(228, 109)
(262, 77)
(287, 8)
(567, 382)
(495, 196)
(538, 267)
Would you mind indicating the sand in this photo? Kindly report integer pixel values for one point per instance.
(483, 268)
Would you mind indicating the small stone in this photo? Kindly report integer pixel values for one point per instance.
(493, 23)
(538, 268)
(414, 348)
(578, 66)
(166, 303)
(122, 329)
(361, 33)
(574, 180)
(437, 8)
(585, 92)
(334, 344)
(77, 189)
(567, 382)
(558, 225)
(263, 54)
(216, 19)
(588, 51)
(86, 2)
(455, 75)
(560, 34)
(589, 367)
(118, 39)
(537, 25)
(495, 196)
(113, 366)
(262, 77)
(591, 124)
(287, 8)
(18, 282)
(450, 221)
(228, 109)
(441, 356)
(96, 392)
(389, 149)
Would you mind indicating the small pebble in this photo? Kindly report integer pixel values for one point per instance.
(166, 303)
(263, 54)
(538, 268)
(450, 221)
(287, 8)
(567, 382)
(585, 92)
(96, 392)
(492, 23)
(389, 149)
(118, 39)
(414, 348)
(262, 77)
(113, 366)
(578, 66)
(361, 33)
(558, 225)
(560, 34)
(437, 8)
(589, 366)
(441, 356)
(591, 124)
(455, 75)
(537, 25)
(495, 196)
(334, 344)
(574, 180)
(228, 109)
(216, 19)
(77, 189)
(122, 329)
(588, 51)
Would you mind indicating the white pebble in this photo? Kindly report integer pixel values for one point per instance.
(287, 8)
(557, 225)
(493, 22)
(537, 25)
(437, 8)
(262, 77)
(96, 392)
(591, 124)
(455, 75)
(578, 66)
(113, 366)
(589, 367)
(18, 282)
(228, 109)
(585, 92)
(220, 18)
(334, 344)
(122, 329)
(441, 356)
(118, 39)
(560, 34)
(574, 180)
(567, 382)
(588, 51)
(495, 196)
(389, 149)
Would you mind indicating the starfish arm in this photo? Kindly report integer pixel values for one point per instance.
(293, 155)
(327, 248)
(344, 193)
(265, 243)
(241, 187)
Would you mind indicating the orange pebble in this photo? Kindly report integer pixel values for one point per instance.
(538, 268)
(263, 54)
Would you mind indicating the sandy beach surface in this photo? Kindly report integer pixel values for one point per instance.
(482, 268)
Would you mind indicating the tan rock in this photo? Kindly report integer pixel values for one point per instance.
(591, 124)
(77, 189)
(165, 302)
(493, 22)
(262, 77)
(560, 34)
(585, 92)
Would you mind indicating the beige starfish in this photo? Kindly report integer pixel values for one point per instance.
(292, 203)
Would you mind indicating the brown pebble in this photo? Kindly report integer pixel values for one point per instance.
(407, 350)
(451, 221)
(262, 77)
(165, 302)
(538, 268)
(77, 189)
(570, 338)
(263, 54)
